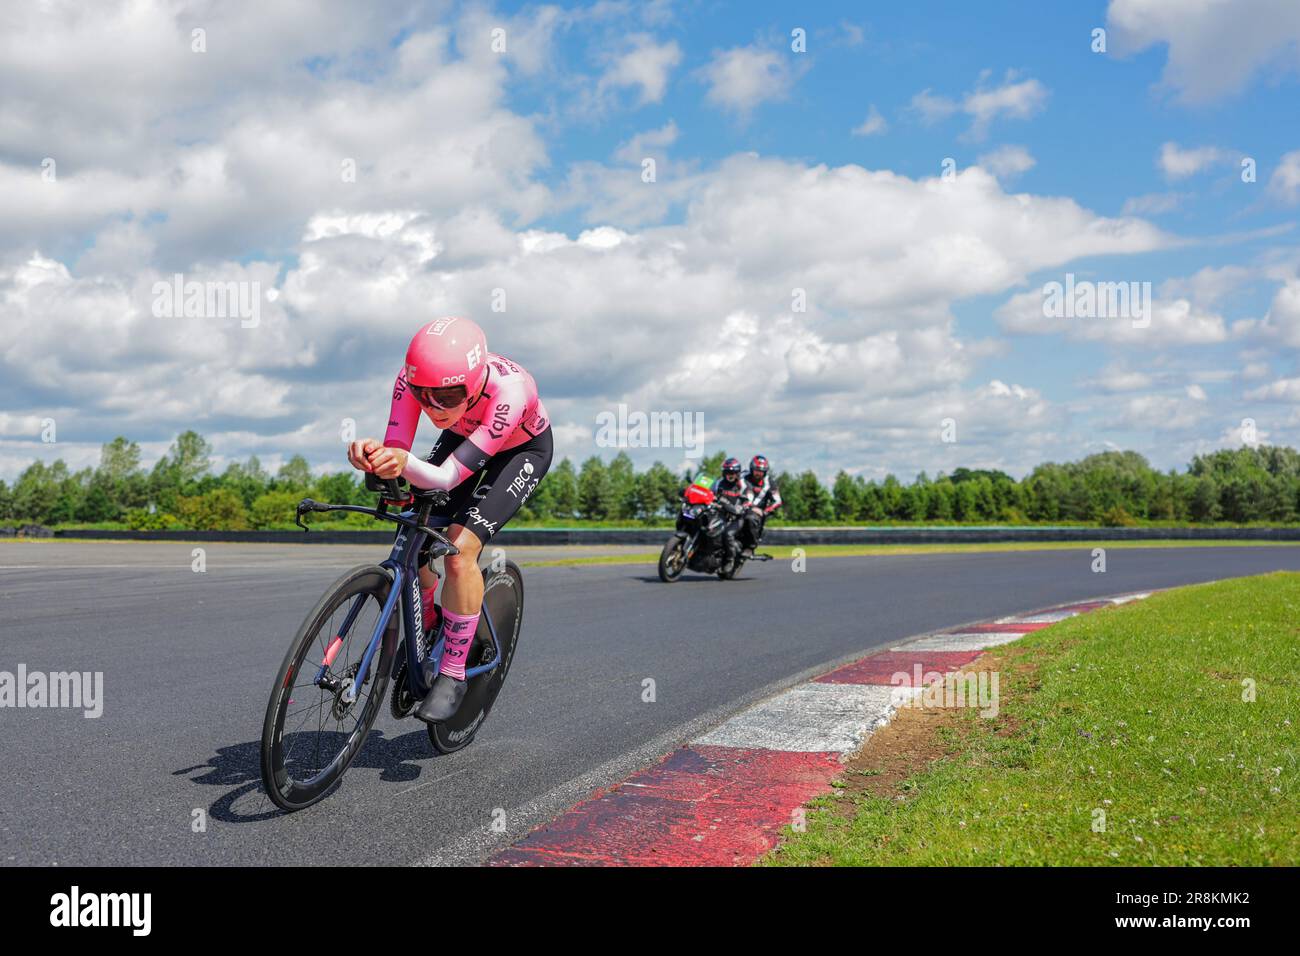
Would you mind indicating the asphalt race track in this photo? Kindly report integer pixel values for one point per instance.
(188, 659)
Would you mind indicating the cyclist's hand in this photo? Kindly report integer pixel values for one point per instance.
(388, 462)
(358, 451)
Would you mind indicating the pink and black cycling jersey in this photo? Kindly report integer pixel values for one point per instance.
(507, 414)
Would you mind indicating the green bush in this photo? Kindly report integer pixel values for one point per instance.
(272, 509)
(141, 519)
(1116, 517)
(219, 510)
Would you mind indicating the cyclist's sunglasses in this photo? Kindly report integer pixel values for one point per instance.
(443, 398)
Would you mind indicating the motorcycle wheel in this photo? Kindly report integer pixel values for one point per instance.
(672, 560)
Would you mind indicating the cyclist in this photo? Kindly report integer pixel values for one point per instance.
(732, 494)
(494, 448)
(762, 498)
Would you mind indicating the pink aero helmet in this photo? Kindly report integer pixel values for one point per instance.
(447, 358)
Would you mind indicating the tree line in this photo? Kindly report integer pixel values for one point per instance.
(182, 490)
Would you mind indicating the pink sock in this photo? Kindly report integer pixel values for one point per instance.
(459, 633)
(427, 613)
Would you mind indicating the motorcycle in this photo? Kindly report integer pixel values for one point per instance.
(699, 542)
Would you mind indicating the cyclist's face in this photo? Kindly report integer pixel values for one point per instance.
(445, 417)
(444, 405)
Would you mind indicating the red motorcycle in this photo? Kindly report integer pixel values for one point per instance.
(700, 540)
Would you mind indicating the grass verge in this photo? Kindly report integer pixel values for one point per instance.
(1135, 713)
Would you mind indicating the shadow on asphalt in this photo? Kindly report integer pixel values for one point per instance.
(689, 577)
(399, 759)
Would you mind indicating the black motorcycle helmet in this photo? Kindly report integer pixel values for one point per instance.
(731, 469)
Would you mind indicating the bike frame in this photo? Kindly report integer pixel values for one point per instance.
(402, 566)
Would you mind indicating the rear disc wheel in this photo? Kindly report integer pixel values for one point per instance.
(503, 599)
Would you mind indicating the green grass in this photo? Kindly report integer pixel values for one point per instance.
(783, 552)
(1137, 711)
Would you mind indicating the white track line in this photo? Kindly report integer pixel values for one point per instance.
(811, 718)
(960, 642)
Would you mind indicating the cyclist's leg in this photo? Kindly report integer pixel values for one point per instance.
(508, 479)
(441, 451)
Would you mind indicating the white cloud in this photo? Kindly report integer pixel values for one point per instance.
(741, 78)
(853, 33)
(645, 66)
(1120, 378)
(252, 179)
(1013, 98)
(1007, 162)
(1282, 390)
(873, 125)
(1285, 181)
(932, 108)
(1282, 323)
(879, 310)
(1215, 48)
(91, 82)
(1211, 285)
(1161, 413)
(1178, 163)
(1253, 371)
(1153, 204)
(652, 142)
(1172, 322)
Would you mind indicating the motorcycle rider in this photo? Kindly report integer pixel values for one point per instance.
(731, 493)
(761, 499)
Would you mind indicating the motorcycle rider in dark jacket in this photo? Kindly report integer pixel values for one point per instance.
(731, 493)
(761, 498)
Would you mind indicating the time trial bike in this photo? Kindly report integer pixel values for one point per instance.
(365, 633)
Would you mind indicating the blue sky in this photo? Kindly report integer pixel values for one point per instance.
(483, 169)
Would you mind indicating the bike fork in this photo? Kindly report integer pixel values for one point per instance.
(336, 642)
(323, 679)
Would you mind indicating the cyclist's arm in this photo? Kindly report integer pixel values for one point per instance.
(445, 476)
(403, 415)
(473, 453)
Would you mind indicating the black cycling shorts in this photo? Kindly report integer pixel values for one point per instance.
(484, 503)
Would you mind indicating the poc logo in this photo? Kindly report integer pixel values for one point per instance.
(473, 357)
(452, 379)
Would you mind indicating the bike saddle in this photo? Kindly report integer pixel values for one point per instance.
(435, 496)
